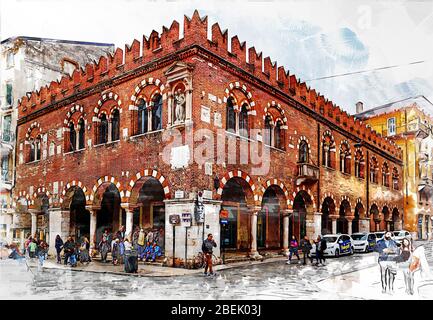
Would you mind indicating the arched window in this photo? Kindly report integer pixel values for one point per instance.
(32, 151)
(268, 131)
(385, 174)
(328, 151)
(38, 148)
(115, 125)
(81, 133)
(243, 121)
(279, 135)
(231, 117)
(142, 117)
(156, 113)
(303, 152)
(374, 168)
(72, 138)
(345, 158)
(395, 185)
(359, 164)
(103, 129)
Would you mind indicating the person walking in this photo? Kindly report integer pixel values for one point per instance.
(306, 247)
(59, 246)
(141, 244)
(115, 251)
(404, 259)
(42, 252)
(387, 249)
(33, 247)
(293, 250)
(207, 248)
(320, 250)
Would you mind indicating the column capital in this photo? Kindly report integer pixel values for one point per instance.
(33, 212)
(93, 209)
(286, 212)
(334, 216)
(350, 218)
(125, 206)
(254, 209)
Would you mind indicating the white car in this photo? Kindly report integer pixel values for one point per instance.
(336, 245)
(399, 235)
(363, 242)
(379, 235)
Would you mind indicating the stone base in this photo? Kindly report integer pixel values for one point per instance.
(255, 256)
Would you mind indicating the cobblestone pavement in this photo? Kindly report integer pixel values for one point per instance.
(350, 277)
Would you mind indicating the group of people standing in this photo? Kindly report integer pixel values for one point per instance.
(72, 251)
(404, 257)
(305, 245)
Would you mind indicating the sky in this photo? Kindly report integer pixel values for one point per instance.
(312, 39)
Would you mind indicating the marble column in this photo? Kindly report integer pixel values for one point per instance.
(93, 222)
(34, 223)
(349, 224)
(129, 223)
(334, 223)
(253, 252)
(286, 217)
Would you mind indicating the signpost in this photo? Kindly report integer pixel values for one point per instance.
(174, 220)
(224, 215)
(186, 222)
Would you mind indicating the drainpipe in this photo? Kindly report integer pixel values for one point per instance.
(406, 173)
(367, 185)
(318, 165)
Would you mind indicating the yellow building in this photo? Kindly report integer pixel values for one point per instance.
(409, 124)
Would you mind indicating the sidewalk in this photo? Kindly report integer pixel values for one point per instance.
(145, 270)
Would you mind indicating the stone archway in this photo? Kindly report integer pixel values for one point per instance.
(328, 216)
(374, 218)
(302, 212)
(342, 220)
(358, 224)
(237, 199)
(79, 217)
(396, 220)
(385, 219)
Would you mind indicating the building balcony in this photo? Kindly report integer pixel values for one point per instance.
(307, 173)
(420, 129)
(6, 177)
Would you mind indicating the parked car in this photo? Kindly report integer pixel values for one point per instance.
(336, 245)
(379, 235)
(399, 235)
(364, 242)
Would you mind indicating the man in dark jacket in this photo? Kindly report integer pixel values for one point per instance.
(68, 249)
(305, 246)
(388, 250)
(207, 248)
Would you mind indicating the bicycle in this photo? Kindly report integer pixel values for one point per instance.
(200, 261)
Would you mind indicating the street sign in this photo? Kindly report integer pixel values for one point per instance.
(186, 219)
(224, 221)
(179, 194)
(224, 214)
(174, 219)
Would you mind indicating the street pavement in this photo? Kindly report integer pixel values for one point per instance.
(350, 277)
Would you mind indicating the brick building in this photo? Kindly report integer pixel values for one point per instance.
(145, 131)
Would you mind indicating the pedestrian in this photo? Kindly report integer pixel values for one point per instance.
(207, 248)
(293, 250)
(404, 259)
(305, 246)
(150, 237)
(27, 244)
(161, 238)
(141, 244)
(84, 251)
(33, 247)
(68, 249)
(387, 249)
(115, 251)
(135, 236)
(104, 245)
(59, 246)
(121, 233)
(42, 252)
(320, 250)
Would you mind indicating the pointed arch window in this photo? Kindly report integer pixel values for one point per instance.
(230, 117)
(32, 151)
(81, 133)
(395, 178)
(72, 137)
(243, 121)
(374, 168)
(115, 125)
(157, 113)
(279, 135)
(328, 151)
(303, 152)
(345, 163)
(385, 175)
(268, 131)
(143, 116)
(102, 129)
(359, 164)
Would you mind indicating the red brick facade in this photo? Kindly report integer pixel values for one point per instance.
(217, 75)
